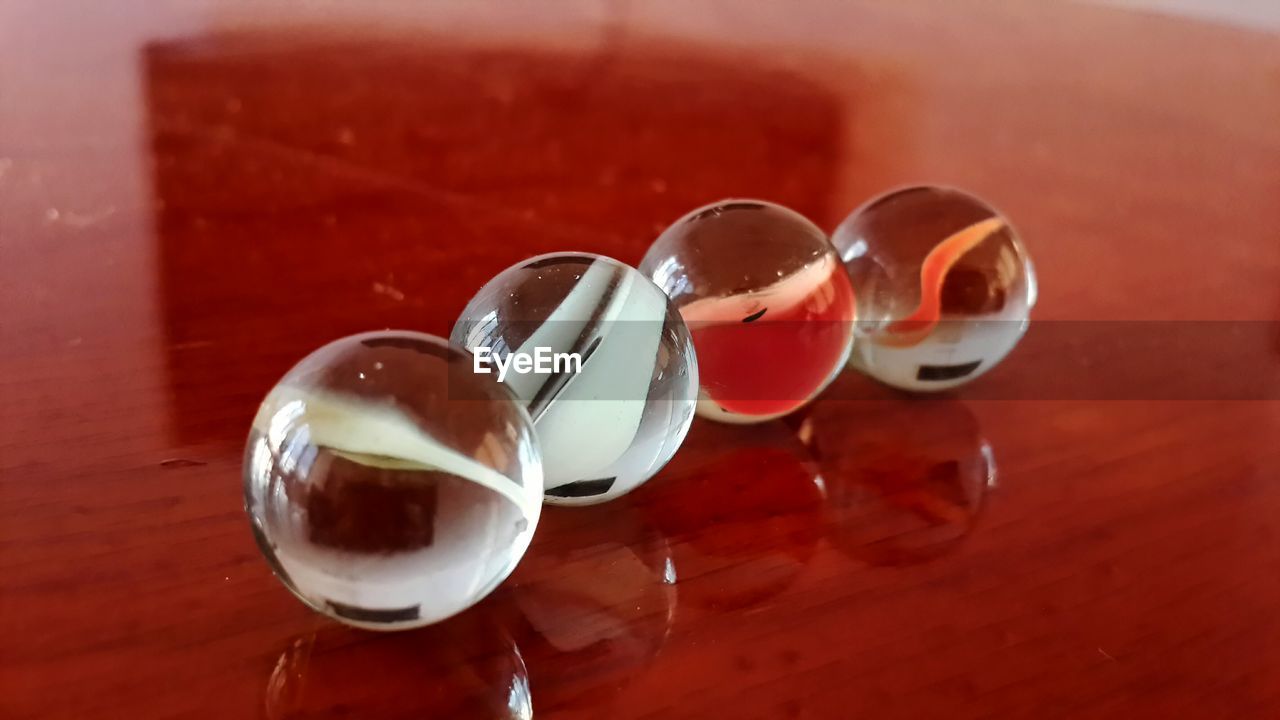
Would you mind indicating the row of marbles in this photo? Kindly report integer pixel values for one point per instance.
(390, 484)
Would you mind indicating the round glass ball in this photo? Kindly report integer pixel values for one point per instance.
(387, 485)
(945, 287)
(768, 304)
(609, 420)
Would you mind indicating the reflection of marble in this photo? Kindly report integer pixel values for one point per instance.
(905, 477)
(742, 509)
(596, 599)
(466, 667)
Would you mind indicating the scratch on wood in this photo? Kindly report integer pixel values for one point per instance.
(181, 463)
(389, 291)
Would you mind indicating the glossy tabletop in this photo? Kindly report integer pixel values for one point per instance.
(194, 194)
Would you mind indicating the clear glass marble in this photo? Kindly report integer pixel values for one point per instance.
(945, 287)
(387, 485)
(768, 304)
(610, 421)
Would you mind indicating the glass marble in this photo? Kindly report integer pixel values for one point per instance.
(945, 287)
(610, 423)
(387, 485)
(770, 307)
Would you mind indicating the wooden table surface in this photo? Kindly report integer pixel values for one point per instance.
(195, 194)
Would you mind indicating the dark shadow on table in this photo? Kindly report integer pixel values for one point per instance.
(310, 187)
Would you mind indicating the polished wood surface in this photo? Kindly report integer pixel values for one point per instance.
(195, 194)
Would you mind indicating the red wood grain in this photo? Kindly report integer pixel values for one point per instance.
(194, 194)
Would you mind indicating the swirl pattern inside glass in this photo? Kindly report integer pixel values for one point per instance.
(770, 308)
(944, 284)
(612, 420)
(387, 485)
